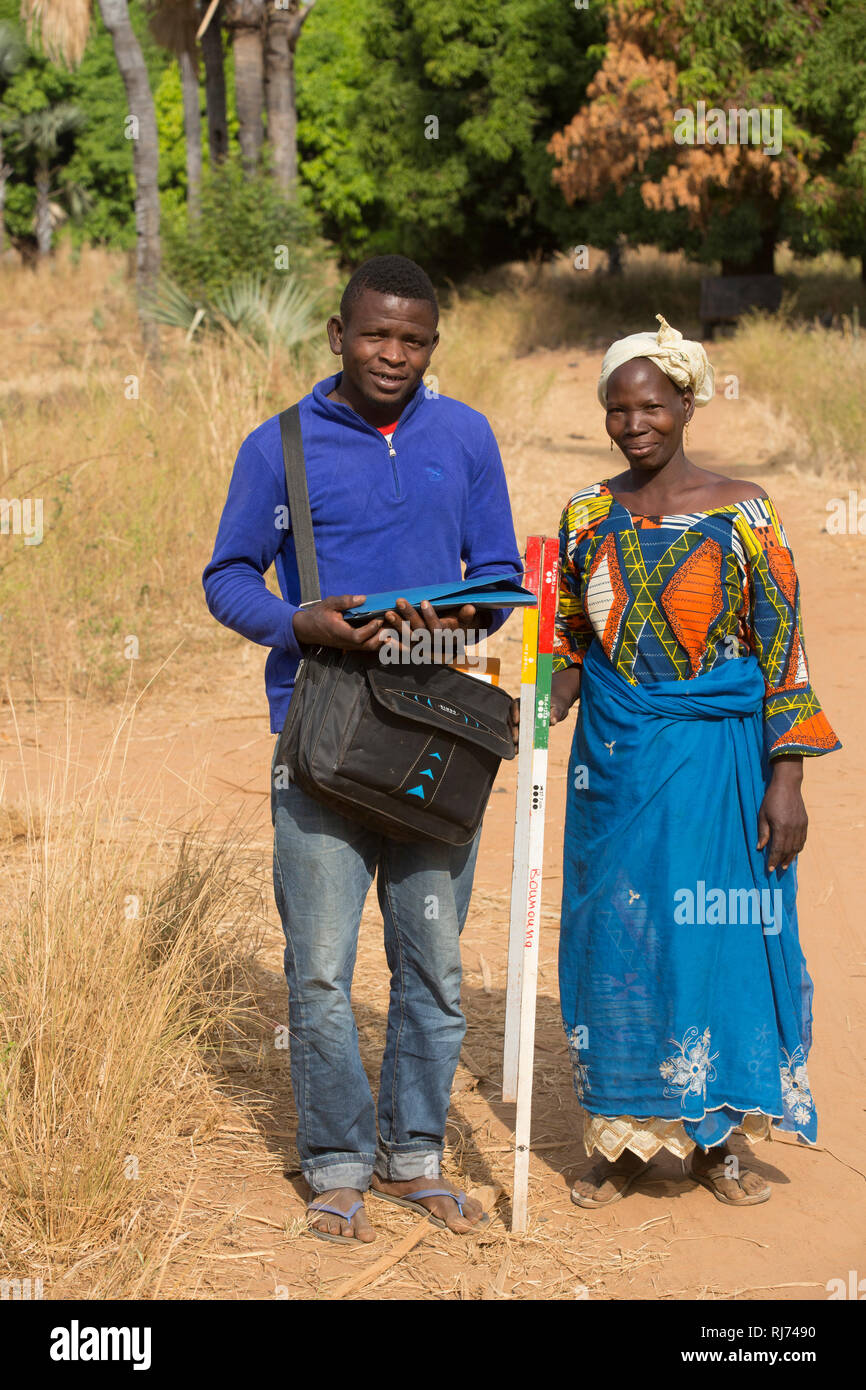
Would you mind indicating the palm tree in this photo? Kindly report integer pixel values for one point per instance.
(40, 133)
(264, 38)
(63, 26)
(173, 25)
(11, 55)
(211, 39)
(245, 20)
(284, 27)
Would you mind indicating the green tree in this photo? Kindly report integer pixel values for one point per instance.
(11, 58)
(436, 143)
(831, 209)
(102, 162)
(332, 71)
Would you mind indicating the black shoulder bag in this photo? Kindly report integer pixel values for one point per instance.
(410, 751)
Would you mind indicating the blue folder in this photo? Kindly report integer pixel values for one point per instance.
(487, 591)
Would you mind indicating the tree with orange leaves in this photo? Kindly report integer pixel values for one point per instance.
(690, 134)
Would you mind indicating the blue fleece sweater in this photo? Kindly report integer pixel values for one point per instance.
(380, 522)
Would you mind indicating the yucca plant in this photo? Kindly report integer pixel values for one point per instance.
(286, 314)
(269, 315)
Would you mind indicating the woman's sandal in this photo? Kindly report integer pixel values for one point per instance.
(719, 1173)
(343, 1215)
(415, 1203)
(630, 1179)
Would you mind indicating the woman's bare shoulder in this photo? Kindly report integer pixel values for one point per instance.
(728, 491)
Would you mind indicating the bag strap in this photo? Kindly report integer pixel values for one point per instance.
(299, 504)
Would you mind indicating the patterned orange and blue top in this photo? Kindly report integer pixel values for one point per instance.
(669, 597)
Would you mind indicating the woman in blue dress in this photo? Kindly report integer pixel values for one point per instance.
(685, 995)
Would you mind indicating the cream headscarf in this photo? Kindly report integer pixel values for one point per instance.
(682, 359)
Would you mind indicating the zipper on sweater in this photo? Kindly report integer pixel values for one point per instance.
(392, 454)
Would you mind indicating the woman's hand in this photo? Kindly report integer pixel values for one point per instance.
(564, 690)
(782, 819)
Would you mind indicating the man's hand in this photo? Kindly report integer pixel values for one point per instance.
(403, 612)
(323, 625)
(782, 819)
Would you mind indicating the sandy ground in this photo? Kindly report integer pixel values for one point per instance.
(204, 745)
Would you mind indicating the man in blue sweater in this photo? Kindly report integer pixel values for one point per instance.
(404, 485)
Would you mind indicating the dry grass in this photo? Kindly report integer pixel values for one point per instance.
(811, 382)
(132, 462)
(125, 955)
(559, 306)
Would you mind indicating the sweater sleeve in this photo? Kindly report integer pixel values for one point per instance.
(489, 544)
(251, 531)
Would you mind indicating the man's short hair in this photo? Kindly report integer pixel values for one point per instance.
(395, 275)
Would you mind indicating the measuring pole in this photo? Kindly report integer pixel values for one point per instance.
(520, 862)
(531, 902)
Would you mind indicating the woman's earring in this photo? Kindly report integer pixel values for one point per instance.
(686, 433)
(611, 446)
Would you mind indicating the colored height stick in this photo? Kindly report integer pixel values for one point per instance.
(547, 594)
(520, 869)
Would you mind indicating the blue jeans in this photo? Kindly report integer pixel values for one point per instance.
(324, 864)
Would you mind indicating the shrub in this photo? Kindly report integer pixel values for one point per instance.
(242, 228)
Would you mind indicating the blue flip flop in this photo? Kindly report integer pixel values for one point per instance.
(343, 1215)
(415, 1203)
